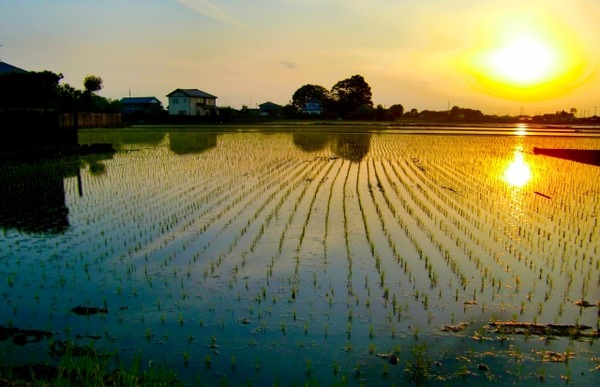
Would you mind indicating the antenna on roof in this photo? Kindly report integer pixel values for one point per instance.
(129, 93)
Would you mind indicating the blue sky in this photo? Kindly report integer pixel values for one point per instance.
(423, 54)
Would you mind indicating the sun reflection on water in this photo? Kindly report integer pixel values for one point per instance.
(521, 129)
(518, 172)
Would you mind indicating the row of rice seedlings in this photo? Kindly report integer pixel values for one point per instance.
(320, 183)
(327, 217)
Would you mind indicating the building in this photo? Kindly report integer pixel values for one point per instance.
(192, 102)
(269, 109)
(140, 105)
(313, 106)
(6, 68)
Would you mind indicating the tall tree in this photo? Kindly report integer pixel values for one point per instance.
(92, 84)
(351, 93)
(308, 92)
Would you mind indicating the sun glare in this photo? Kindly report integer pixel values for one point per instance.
(518, 173)
(524, 59)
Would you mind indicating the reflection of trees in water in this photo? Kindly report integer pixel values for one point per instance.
(191, 142)
(118, 138)
(33, 196)
(310, 142)
(353, 147)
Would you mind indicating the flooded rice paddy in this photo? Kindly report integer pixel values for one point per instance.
(309, 258)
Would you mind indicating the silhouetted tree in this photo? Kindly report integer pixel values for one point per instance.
(70, 99)
(92, 84)
(307, 92)
(29, 90)
(396, 111)
(457, 113)
(289, 111)
(349, 94)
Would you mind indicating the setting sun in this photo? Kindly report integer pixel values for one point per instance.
(525, 59)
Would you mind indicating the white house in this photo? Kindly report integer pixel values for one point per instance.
(192, 102)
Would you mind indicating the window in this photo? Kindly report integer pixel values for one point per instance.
(175, 100)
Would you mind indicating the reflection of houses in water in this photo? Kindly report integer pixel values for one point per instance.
(353, 147)
(191, 142)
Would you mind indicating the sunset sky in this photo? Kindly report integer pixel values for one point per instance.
(499, 56)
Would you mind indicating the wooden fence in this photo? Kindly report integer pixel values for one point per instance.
(90, 120)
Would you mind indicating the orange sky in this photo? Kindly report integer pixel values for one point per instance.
(496, 56)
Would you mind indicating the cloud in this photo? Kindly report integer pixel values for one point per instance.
(208, 9)
(289, 65)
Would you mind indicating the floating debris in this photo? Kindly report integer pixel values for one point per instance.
(88, 310)
(542, 195)
(244, 321)
(455, 328)
(554, 357)
(450, 189)
(586, 304)
(23, 336)
(392, 358)
(525, 328)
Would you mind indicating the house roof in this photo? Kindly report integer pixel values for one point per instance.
(6, 68)
(193, 93)
(138, 100)
(269, 105)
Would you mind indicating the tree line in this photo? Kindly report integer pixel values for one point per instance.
(44, 90)
(349, 99)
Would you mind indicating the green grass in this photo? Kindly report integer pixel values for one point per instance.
(91, 369)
